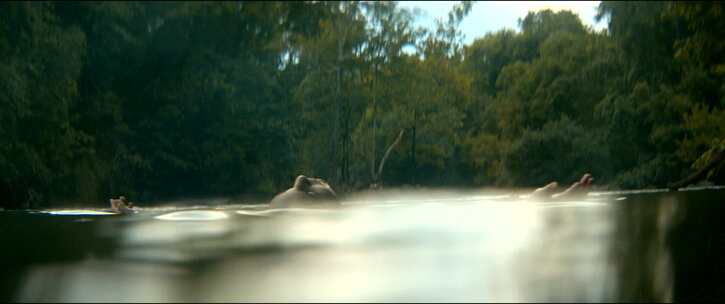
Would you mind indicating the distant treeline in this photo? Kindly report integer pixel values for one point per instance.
(164, 99)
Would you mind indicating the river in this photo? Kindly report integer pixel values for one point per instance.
(410, 246)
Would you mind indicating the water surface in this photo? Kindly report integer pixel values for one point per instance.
(393, 246)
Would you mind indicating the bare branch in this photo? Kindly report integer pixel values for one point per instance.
(390, 148)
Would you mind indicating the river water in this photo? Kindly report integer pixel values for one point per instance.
(410, 246)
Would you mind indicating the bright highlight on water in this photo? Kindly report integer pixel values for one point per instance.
(393, 246)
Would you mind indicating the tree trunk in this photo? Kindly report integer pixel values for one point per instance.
(696, 176)
(375, 108)
(412, 145)
(346, 142)
(377, 176)
(336, 161)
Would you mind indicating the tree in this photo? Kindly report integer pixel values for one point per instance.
(39, 87)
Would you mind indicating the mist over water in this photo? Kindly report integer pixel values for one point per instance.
(416, 245)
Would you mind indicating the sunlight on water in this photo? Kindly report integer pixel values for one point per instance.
(201, 215)
(438, 246)
(79, 212)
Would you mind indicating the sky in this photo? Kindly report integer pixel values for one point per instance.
(491, 16)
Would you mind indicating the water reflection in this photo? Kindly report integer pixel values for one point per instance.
(642, 248)
(79, 212)
(417, 247)
(196, 215)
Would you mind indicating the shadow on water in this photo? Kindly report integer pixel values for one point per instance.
(35, 238)
(697, 246)
(669, 246)
(414, 246)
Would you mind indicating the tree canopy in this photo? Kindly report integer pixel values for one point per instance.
(165, 99)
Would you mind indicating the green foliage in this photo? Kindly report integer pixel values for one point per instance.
(562, 150)
(166, 99)
(709, 157)
(39, 88)
(705, 133)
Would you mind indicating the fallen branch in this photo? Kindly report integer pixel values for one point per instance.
(714, 161)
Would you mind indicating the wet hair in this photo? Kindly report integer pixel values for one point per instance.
(302, 183)
(314, 186)
(586, 179)
(321, 187)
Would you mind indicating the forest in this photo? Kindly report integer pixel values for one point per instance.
(157, 100)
